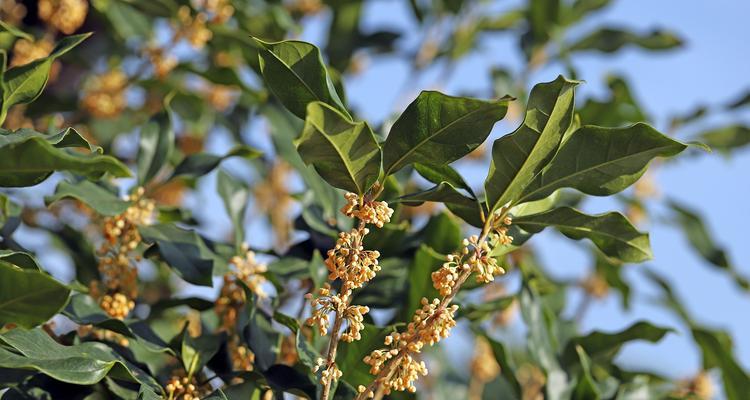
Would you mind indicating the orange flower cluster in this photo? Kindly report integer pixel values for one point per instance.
(119, 286)
(104, 95)
(64, 15)
(183, 389)
(26, 51)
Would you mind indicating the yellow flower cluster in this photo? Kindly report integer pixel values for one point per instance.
(273, 199)
(231, 300)
(64, 15)
(193, 28)
(430, 324)
(26, 51)
(484, 366)
(162, 62)
(12, 12)
(349, 262)
(104, 95)
(183, 389)
(368, 211)
(219, 10)
(119, 275)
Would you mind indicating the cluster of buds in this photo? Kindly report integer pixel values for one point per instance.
(121, 239)
(193, 28)
(349, 262)
(12, 12)
(219, 11)
(368, 211)
(484, 366)
(162, 61)
(102, 334)
(430, 324)
(183, 388)
(26, 51)
(64, 15)
(232, 299)
(595, 286)
(104, 95)
(699, 387)
(221, 97)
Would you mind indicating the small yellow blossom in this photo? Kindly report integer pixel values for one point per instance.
(104, 95)
(64, 15)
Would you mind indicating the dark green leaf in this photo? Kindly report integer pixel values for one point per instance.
(344, 153)
(442, 233)
(155, 145)
(295, 73)
(20, 259)
(438, 129)
(701, 240)
(717, 352)
(602, 161)
(605, 346)
(609, 40)
(612, 233)
(24, 83)
(199, 164)
(504, 358)
(29, 297)
(726, 139)
(519, 156)
(98, 198)
(197, 351)
(437, 173)
(585, 388)
(351, 355)
(81, 364)
(28, 158)
(469, 209)
(426, 260)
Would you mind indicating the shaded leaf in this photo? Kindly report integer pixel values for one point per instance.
(155, 145)
(605, 346)
(200, 164)
(609, 40)
(469, 209)
(717, 353)
(235, 195)
(437, 173)
(726, 139)
(29, 297)
(612, 233)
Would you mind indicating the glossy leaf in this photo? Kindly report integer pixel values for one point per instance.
(155, 145)
(29, 297)
(295, 73)
(197, 351)
(438, 129)
(27, 158)
(19, 259)
(519, 156)
(24, 83)
(612, 233)
(602, 161)
(98, 198)
(81, 364)
(609, 40)
(344, 153)
(200, 164)
(183, 250)
(437, 173)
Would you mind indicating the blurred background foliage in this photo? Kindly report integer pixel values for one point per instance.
(232, 176)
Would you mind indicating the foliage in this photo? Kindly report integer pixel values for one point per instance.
(381, 243)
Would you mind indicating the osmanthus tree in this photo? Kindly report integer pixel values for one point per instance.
(380, 247)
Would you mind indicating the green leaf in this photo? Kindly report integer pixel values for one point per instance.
(439, 129)
(19, 259)
(24, 83)
(426, 260)
(184, 251)
(235, 194)
(442, 233)
(504, 358)
(717, 352)
(609, 40)
(519, 156)
(469, 209)
(295, 73)
(29, 297)
(200, 164)
(612, 233)
(726, 139)
(344, 153)
(585, 388)
(701, 240)
(6, 27)
(307, 354)
(155, 145)
(28, 158)
(604, 346)
(100, 199)
(602, 161)
(195, 352)
(81, 364)
(437, 173)
(351, 355)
